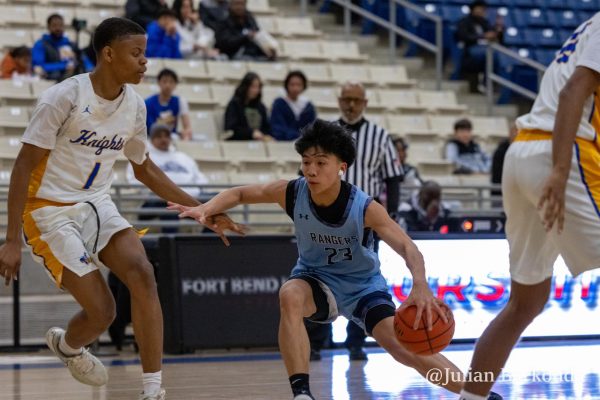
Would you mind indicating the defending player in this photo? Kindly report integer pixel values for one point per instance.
(551, 189)
(59, 196)
(337, 271)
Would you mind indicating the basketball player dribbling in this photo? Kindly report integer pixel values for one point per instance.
(59, 198)
(337, 272)
(551, 189)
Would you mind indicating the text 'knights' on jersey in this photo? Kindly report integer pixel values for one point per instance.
(582, 48)
(85, 135)
(90, 139)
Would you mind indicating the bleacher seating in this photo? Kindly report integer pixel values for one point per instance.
(192, 71)
(529, 24)
(13, 120)
(419, 115)
(424, 117)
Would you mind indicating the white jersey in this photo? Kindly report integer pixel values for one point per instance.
(85, 135)
(581, 49)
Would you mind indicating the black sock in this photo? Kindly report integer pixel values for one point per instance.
(299, 383)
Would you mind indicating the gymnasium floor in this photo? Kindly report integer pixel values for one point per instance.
(549, 370)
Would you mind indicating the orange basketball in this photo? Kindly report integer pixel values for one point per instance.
(422, 341)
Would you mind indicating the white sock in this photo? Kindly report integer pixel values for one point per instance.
(68, 350)
(151, 382)
(464, 395)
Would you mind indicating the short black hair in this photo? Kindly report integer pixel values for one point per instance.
(329, 137)
(167, 72)
(112, 29)
(21, 51)
(463, 124)
(295, 74)
(166, 12)
(477, 3)
(399, 139)
(432, 189)
(54, 16)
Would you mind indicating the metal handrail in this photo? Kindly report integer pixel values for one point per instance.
(485, 203)
(436, 49)
(492, 77)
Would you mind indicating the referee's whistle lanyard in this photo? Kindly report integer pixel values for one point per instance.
(97, 226)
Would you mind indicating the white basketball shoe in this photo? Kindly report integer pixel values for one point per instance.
(84, 367)
(161, 395)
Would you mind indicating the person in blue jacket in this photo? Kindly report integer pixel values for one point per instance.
(166, 108)
(293, 112)
(163, 39)
(54, 55)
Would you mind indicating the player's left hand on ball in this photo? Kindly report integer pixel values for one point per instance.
(422, 298)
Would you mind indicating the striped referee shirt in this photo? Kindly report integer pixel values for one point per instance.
(376, 157)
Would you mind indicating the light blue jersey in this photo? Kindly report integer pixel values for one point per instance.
(340, 256)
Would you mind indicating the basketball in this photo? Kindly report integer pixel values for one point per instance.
(422, 341)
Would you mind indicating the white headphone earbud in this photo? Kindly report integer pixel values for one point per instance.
(341, 173)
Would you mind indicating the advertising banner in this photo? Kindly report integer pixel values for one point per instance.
(472, 276)
(229, 295)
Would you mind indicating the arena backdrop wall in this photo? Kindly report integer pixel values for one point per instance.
(215, 296)
(219, 297)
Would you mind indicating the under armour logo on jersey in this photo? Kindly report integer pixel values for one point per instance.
(85, 259)
(87, 110)
(305, 216)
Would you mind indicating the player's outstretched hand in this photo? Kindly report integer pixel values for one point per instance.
(553, 201)
(219, 223)
(10, 261)
(421, 297)
(198, 212)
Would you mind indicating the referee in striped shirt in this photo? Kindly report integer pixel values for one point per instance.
(376, 167)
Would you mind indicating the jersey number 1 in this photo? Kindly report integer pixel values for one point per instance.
(93, 174)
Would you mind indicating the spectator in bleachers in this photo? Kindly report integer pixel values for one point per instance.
(240, 37)
(294, 111)
(411, 173)
(466, 155)
(425, 212)
(16, 64)
(163, 39)
(213, 12)
(167, 109)
(178, 166)
(474, 32)
(197, 40)
(144, 12)
(246, 115)
(53, 56)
